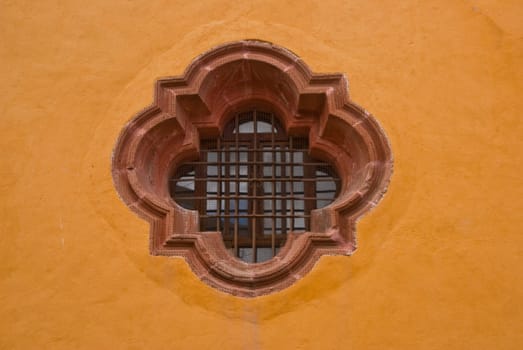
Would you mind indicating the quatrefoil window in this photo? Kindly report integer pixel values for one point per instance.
(251, 167)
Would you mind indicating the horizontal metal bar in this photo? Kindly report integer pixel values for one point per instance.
(269, 148)
(246, 242)
(281, 163)
(258, 179)
(253, 197)
(254, 216)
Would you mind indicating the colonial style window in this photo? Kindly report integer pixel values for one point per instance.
(254, 184)
(251, 167)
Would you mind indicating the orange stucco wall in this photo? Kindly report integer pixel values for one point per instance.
(439, 263)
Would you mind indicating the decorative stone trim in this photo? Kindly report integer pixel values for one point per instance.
(225, 80)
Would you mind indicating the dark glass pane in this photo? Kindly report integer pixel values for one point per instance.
(182, 187)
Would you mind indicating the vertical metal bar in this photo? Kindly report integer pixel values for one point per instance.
(237, 194)
(273, 186)
(199, 186)
(291, 152)
(226, 224)
(255, 185)
(283, 184)
(219, 183)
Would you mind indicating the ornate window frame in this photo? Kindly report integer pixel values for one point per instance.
(225, 80)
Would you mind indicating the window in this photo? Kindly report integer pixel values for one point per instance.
(251, 167)
(254, 184)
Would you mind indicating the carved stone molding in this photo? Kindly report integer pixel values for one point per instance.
(228, 79)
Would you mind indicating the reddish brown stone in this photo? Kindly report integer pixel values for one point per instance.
(228, 79)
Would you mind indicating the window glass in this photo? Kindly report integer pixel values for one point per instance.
(256, 188)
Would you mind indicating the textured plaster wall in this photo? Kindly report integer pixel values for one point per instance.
(439, 263)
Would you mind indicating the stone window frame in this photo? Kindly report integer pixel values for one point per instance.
(194, 106)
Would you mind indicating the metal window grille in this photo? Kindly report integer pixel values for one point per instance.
(254, 184)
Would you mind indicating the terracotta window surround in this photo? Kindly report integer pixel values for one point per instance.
(229, 79)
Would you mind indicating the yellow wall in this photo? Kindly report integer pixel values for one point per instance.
(439, 264)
